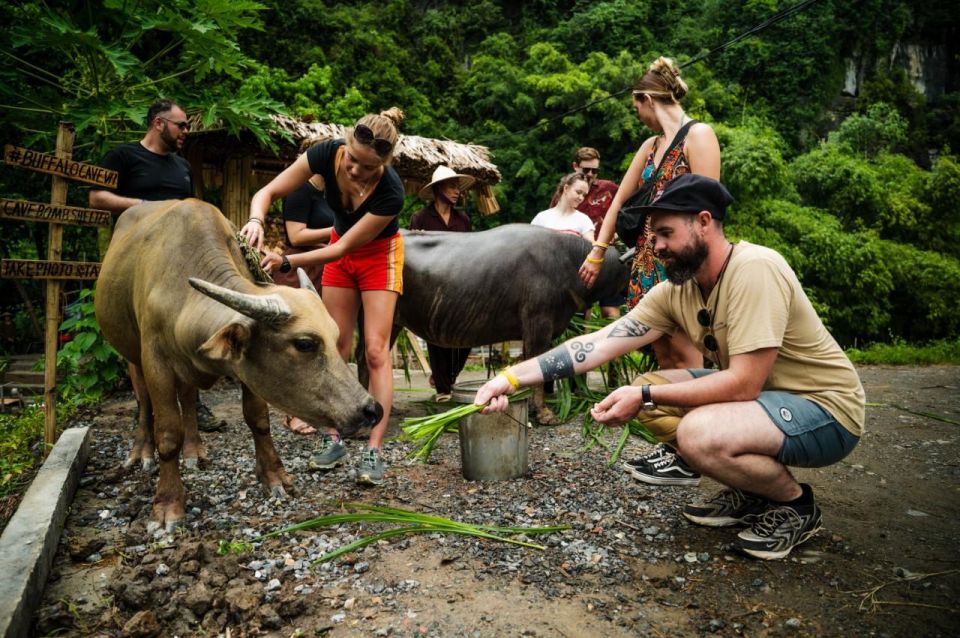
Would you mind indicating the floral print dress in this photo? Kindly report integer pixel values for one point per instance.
(647, 271)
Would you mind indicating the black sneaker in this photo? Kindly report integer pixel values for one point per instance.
(669, 469)
(653, 455)
(727, 507)
(779, 530)
(206, 421)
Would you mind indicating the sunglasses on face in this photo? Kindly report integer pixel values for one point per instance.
(184, 125)
(592, 170)
(363, 134)
(704, 319)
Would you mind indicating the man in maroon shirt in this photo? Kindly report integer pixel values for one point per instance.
(595, 205)
(442, 193)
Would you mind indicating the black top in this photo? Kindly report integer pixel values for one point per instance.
(427, 218)
(386, 200)
(306, 205)
(147, 175)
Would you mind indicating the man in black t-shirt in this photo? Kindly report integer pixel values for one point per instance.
(151, 169)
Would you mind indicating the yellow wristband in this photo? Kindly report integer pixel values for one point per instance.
(511, 378)
(600, 244)
(591, 260)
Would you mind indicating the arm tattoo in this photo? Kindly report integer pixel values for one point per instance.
(556, 364)
(628, 327)
(581, 350)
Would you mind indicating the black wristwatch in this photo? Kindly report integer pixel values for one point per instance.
(648, 403)
(284, 264)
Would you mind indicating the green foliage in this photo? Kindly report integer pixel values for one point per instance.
(752, 166)
(899, 353)
(940, 229)
(103, 63)
(89, 366)
(21, 447)
(881, 128)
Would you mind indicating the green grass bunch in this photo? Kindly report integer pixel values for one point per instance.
(426, 431)
(405, 522)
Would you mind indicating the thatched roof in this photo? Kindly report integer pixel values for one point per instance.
(414, 159)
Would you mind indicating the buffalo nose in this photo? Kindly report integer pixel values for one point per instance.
(372, 413)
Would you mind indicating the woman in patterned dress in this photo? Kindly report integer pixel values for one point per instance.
(656, 98)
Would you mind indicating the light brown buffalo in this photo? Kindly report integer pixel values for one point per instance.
(175, 298)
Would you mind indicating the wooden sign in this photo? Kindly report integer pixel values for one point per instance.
(40, 212)
(34, 269)
(59, 166)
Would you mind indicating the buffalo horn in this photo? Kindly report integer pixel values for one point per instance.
(268, 308)
(305, 282)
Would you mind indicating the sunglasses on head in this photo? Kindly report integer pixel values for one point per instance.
(593, 170)
(184, 125)
(704, 319)
(363, 134)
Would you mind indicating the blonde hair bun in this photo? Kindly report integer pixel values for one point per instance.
(394, 114)
(669, 73)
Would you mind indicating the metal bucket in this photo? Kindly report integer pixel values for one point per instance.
(493, 447)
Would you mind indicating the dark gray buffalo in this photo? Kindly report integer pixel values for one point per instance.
(176, 299)
(510, 283)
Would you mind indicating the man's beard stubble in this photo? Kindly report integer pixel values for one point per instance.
(169, 141)
(685, 264)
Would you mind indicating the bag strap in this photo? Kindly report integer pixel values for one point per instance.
(677, 141)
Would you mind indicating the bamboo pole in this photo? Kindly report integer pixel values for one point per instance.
(58, 196)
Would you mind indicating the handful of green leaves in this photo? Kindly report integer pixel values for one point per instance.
(429, 429)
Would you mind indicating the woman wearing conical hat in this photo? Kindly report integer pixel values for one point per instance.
(445, 189)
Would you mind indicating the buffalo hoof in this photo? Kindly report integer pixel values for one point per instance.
(168, 528)
(167, 516)
(278, 492)
(547, 417)
(147, 464)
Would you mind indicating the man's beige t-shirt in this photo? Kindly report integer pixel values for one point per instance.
(759, 303)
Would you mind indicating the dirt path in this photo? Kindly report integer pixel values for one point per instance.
(886, 564)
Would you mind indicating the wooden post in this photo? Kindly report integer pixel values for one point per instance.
(232, 196)
(58, 197)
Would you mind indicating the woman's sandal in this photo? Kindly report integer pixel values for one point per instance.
(302, 426)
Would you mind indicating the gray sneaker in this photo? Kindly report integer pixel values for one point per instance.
(329, 455)
(371, 468)
(727, 507)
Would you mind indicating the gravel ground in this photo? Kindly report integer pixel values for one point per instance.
(628, 566)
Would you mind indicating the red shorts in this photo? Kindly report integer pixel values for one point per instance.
(374, 266)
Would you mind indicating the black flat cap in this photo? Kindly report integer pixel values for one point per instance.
(691, 193)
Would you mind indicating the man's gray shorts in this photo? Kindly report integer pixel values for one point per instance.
(812, 437)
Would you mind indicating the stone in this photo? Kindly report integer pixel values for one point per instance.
(144, 624)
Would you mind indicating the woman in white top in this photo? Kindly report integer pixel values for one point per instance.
(565, 217)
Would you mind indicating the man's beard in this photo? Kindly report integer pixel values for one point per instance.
(685, 264)
(169, 141)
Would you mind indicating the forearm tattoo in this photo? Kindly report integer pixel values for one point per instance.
(628, 327)
(581, 350)
(556, 364)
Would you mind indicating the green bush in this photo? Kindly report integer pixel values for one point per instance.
(21, 447)
(753, 167)
(880, 128)
(90, 367)
(899, 353)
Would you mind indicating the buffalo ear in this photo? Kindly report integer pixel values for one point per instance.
(227, 343)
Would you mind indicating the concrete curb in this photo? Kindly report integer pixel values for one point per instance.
(29, 542)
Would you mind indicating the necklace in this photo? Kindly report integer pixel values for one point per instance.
(706, 318)
(363, 191)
